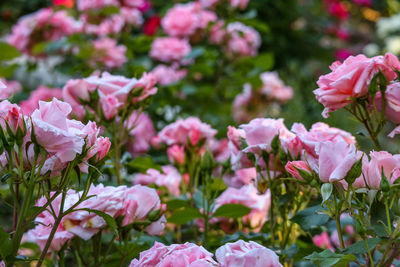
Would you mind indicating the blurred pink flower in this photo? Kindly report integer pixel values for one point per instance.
(169, 49)
(141, 133)
(42, 93)
(168, 75)
(243, 40)
(108, 53)
(9, 88)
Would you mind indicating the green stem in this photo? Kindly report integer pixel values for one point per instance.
(369, 253)
(388, 218)
(337, 220)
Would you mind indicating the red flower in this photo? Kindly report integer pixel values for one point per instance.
(151, 25)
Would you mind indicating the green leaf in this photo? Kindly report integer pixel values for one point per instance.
(195, 53)
(142, 164)
(6, 244)
(8, 52)
(6, 70)
(232, 211)
(309, 218)
(184, 215)
(326, 190)
(218, 185)
(327, 258)
(264, 61)
(39, 48)
(109, 220)
(354, 172)
(175, 204)
(359, 247)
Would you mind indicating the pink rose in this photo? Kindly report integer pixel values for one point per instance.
(42, 93)
(274, 88)
(247, 196)
(169, 49)
(168, 75)
(110, 106)
(351, 79)
(176, 154)
(381, 161)
(9, 88)
(108, 53)
(11, 115)
(392, 97)
(181, 20)
(103, 146)
(95, 4)
(189, 131)
(170, 178)
(55, 132)
(292, 167)
(323, 241)
(243, 40)
(246, 254)
(141, 133)
(241, 177)
(188, 255)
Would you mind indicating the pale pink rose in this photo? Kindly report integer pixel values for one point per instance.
(274, 88)
(169, 177)
(110, 106)
(323, 241)
(110, 25)
(168, 75)
(239, 159)
(220, 149)
(176, 154)
(29, 29)
(188, 255)
(189, 131)
(335, 160)
(217, 32)
(95, 4)
(292, 167)
(261, 132)
(42, 93)
(140, 134)
(132, 16)
(169, 49)
(108, 53)
(243, 40)
(106, 84)
(247, 196)
(182, 20)
(392, 97)
(55, 132)
(9, 88)
(241, 177)
(350, 79)
(381, 161)
(320, 132)
(206, 17)
(246, 254)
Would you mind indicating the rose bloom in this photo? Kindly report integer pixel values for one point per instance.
(10, 114)
(183, 20)
(169, 177)
(132, 16)
(219, 149)
(273, 87)
(350, 79)
(392, 97)
(323, 241)
(240, 177)
(110, 25)
(188, 255)
(320, 132)
(168, 75)
(113, 91)
(151, 25)
(95, 4)
(247, 196)
(169, 49)
(182, 131)
(42, 93)
(108, 53)
(29, 29)
(246, 254)
(217, 33)
(243, 40)
(134, 3)
(55, 132)
(176, 154)
(9, 88)
(381, 161)
(141, 133)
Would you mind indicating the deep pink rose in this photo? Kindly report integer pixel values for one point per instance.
(292, 167)
(350, 79)
(246, 254)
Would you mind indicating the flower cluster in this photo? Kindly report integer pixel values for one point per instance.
(239, 253)
(251, 103)
(133, 204)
